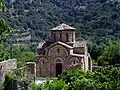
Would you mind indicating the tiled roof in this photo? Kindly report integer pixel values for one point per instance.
(63, 27)
(79, 44)
(40, 45)
(64, 44)
(78, 55)
(61, 43)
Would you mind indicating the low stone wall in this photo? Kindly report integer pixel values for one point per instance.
(7, 66)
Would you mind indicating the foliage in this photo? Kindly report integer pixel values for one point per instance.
(34, 86)
(10, 82)
(71, 78)
(110, 53)
(1, 85)
(56, 85)
(106, 78)
(23, 54)
(4, 29)
(2, 5)
(96, 20)
(4, 53)
(50, 85)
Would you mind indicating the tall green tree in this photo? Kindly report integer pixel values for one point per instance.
(4, 53)
(4, 30)
(110, 53)
(2, 5)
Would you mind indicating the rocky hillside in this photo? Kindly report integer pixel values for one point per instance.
(95, 20)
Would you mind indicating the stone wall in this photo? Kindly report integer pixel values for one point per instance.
(7, 66)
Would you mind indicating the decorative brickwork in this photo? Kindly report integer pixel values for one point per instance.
(62, 53)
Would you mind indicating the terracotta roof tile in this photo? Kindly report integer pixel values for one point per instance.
(63, 27)
(79, 44)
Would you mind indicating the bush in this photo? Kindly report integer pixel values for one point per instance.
(107, 78)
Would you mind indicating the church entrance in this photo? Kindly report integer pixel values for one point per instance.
(58, 63)
(58, 69)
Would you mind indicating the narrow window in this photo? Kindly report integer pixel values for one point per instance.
(58, 50)
(44, 52)
(54, 37)
(74, 62)
(66, 37)
(72, 37)
(42, 62)
(60, 37)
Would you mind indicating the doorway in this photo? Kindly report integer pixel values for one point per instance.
(58, 69)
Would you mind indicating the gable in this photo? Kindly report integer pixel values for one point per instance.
(58, 50)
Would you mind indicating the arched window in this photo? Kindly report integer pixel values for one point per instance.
(43, 62)
(74, 62)
(67, 37)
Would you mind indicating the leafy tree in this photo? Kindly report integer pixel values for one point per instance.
(23, 53)
(10, 82)
(1, 85)
(34, 86)
(70, 77)
(2, 5)
(106, 78)
(110, 53)
(4, 53)
(50, 85)
(57, 85)
(97, 22)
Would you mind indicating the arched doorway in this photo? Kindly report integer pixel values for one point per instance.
(58, 64)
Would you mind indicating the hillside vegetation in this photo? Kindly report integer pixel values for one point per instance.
(96, 20)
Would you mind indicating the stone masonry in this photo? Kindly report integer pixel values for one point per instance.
(7, 66)
(62, 53)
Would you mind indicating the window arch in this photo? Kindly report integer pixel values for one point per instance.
(54, 49)
(43, 61)
(58, 60)
(74, 61)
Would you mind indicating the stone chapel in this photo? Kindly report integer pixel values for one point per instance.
(62, 53)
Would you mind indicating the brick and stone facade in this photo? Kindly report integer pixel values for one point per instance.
(62, 53)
